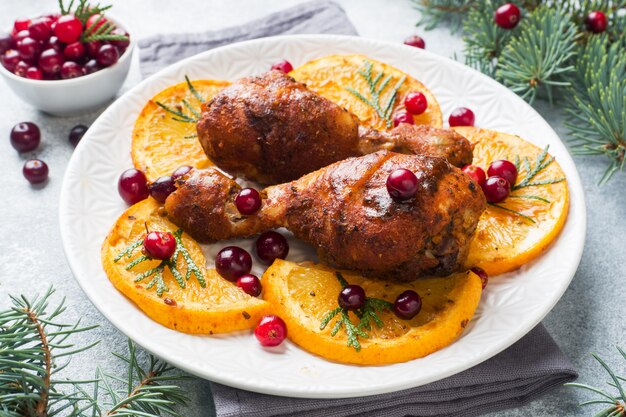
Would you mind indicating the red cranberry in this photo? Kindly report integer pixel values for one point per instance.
(21, 24)
(402, 117)
(496, 189)
(415, 102)
(484, 278)
(271, 331)
(68, 28)
(476, 173)
(55, 44)
(284, 66)
(25, 136)
(248, 201)
(159, 245)
(120, 44)
(92, 48)
(29, 49)
(250, 284)
(34, 73)
(6, 42)
(504, 169)
(133, 186)
(402, 185)
(74, 51)
(107, 55)
(94, 22)
(415, 41)
(91, 66)
(407, 305)
(271, 246)
(51, 61)
(10, 59)
(77, 133)
(39, 29)
(233, 262)
(180, 172)
(71, 69)
(461, 116)
(20, 69)
(596, 21)
(21, 35)
(50, 77)
(507, 16)
(352, 297)
(162, 188)
(35, 171)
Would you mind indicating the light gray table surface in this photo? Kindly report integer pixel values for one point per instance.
(589, 317)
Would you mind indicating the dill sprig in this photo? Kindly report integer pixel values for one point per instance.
(366, 315)
(376, 89)
(177, 111)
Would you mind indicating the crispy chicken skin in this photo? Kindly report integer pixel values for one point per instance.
(346, 213)
(272, 129)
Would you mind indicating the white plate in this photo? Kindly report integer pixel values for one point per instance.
(512, 305)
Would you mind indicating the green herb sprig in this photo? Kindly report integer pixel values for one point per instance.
(366, 314)
(177, 112)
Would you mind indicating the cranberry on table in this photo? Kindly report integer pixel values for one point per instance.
(21, 24)
(180, 172)
(77, 133)
(415, 102)
(476, 173)
(10, 59)
(74, 51)
(415, 41)
(233, 262)
(507, 16)
(162, 188)
(407, 305)
(596, 21)
(107, 55)
(402, 117)
(503, 168)
(25, 136)
(34, 73)
(248, 201)
(496, 189)
(284, 66)
(71, 69)
(68, 28)
(250, 284)
(39, 29)
(6, 42)
(159, 245)
(35, 171)
(484, 278)
(271, 246)
(91, 66)
(271, 331)
(51, 61)
(461, 116)
(402, 184)
(352, 297)
(28, 48)
(133, 186)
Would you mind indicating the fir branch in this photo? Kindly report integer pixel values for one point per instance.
(128, 252)
(541, 163)
(434, 12)
(192, 268)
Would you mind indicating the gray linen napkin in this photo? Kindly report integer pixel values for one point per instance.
(519, 374)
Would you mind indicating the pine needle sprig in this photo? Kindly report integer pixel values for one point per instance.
(177, 111)
(434, 12)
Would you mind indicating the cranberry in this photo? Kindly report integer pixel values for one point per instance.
(68, 28)
(415, 41)
(162, 188)
(271, 331)
(476, 173)
(159, 245)
(504, 169)
(39, 29)
(402, 185)
(91, 66)
(415, 102)
(20, 69)
(596, 21)
(507, 16)
(21, 24)
(35, 171)
(34, 73)
(133, 186)
(352, 297)
(180, 172)
(284, 66)
(402, 117)
(25, 136)
(6, 42)
(107, 55)
(29, 49)
(233, 262)
(119, 43)
(10, 59)
(92, 48)
(248, 201)
(55, 44)
(250, 284)
(484, 278)
(407, 305)
(270, 246)
(21, 35)
(496, 189)
(74, 51)
(461, 116)
(51, 61)
(94, 22)
(77, 133)
(71, 69)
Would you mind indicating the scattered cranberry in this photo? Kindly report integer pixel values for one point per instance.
(233, 262)
(476, 173)
(248, 201)
(74, 51)
(107, 55)
(51, 61)
(271, 331)
(415, 41)
(6, 42)
(71, 69)
(55, 44)
(77, 133)
(461, 116)
(25, 136)
(94, 22)
(352, 297)
(507, 16)
(21, 24)
(180, 172)
(20, 69)
(402, 184)
(504, 169)
(415, 102)
(407, 305)
(162, 188)
(35, 171)
(250, 284)
(496, 189)
(159, 245)
(68, 28)
(39, 29)
(284, 66)
(34, 73)
(402, 117)
(271, 246)
(120, 44)
(29, 48)
(484, 278)
(596, 21)
(10, 59)
(133, 186)
(91, 66)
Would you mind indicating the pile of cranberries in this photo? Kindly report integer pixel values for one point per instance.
(55, 46)
(497, 182)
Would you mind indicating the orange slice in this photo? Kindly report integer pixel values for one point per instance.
(162, 144)
(505, 240)
(217, 307)
(333, 75)
(303, 295)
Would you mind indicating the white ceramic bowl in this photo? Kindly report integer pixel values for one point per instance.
(76, 95)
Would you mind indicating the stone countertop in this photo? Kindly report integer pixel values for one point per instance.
(589, 317)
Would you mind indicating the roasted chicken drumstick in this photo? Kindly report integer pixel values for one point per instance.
(272, 129)
(344, 210)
